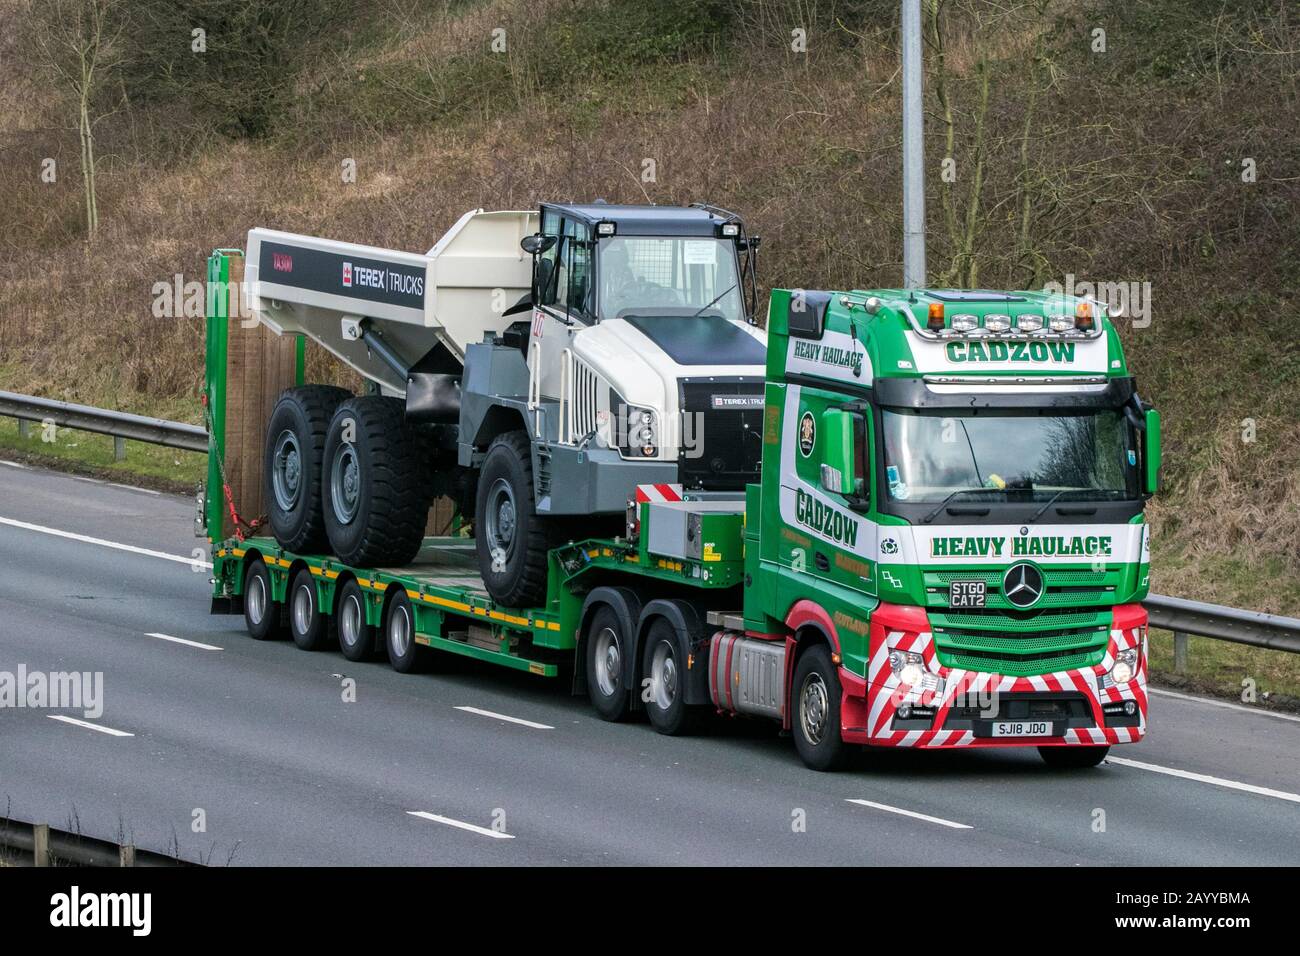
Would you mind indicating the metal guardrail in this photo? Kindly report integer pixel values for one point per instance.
(37, 844)
(1181, 616)
(121, 425)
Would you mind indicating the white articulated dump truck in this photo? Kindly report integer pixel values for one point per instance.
(536, 366)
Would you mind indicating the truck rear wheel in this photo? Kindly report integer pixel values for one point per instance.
(815, 711)
(374, 479)
(356, 637)
(306, 622)
(1073, 758)
(511, 538)
(399, 636)
(261, 614)
(664, 674)
(295, 437)
(607, 644)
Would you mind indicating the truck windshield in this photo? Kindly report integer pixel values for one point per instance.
(1082, 457)
(646, 275)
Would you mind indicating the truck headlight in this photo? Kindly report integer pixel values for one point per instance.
(908, 666)
(638, 433)
(1125, 666)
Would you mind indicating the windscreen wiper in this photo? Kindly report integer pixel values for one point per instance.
(960, 491)
(715, 300)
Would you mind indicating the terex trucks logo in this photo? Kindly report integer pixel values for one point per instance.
(1033, 353)
(828, 522)
(1023, 546)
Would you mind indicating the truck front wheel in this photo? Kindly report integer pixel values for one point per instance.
(511, 538)
(1073, 758)
(815, 714)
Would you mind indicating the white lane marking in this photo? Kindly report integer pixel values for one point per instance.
(89, 726)
(461, 824)
(89, 481)
(143, 491)
(180, 559)
(1206, 778)
(187, 643)
(506, 717)
(912, 813)
(1260, 711)
(13, 464)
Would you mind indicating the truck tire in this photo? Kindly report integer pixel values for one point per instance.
(815, 711)
(295, 437)
(510, 537)
(261, 614)
(607, 645)
(1073, 758)
(375, 489)
(664, 676)
(404, 654)
(356, 637)
(306, 622)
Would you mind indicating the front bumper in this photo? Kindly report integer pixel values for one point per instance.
(959, 708)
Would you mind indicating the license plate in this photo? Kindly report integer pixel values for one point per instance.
(966, 594)
(1022, 728)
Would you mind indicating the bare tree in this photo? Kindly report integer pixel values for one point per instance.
(77, 43)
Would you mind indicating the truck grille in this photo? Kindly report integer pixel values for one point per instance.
(722, 432)
(1068, 628)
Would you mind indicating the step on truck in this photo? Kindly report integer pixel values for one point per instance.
(945, 548)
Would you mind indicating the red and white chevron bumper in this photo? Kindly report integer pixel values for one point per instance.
(950, 707)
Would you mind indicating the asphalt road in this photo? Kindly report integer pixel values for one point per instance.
(257, 736)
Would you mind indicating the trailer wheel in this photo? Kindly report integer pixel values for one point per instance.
(375, 483)
(261, 614)
(295, 437)
(607, 647)
(511, 538)
(664, 682)
(306, 622)
(1073, 758)
(815, 711)
(356, 637)
(399, 636)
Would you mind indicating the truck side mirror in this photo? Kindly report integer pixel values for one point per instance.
(1151, 452)
(537, 243)
(837, 452)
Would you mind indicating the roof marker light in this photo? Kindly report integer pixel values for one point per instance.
(604, 229)
(965, 322)
(1029, 323)
(730, 229)
(996, 322)
(1061, 323)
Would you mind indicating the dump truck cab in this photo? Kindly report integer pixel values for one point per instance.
(951, 503)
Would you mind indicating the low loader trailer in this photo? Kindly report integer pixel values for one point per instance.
(944, 548)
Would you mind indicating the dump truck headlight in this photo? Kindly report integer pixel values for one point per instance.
(638, 434)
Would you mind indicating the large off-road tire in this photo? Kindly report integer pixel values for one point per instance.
(375, 488)
(510, 536)
(295, 437)
(815, 710)
(1073, 758)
